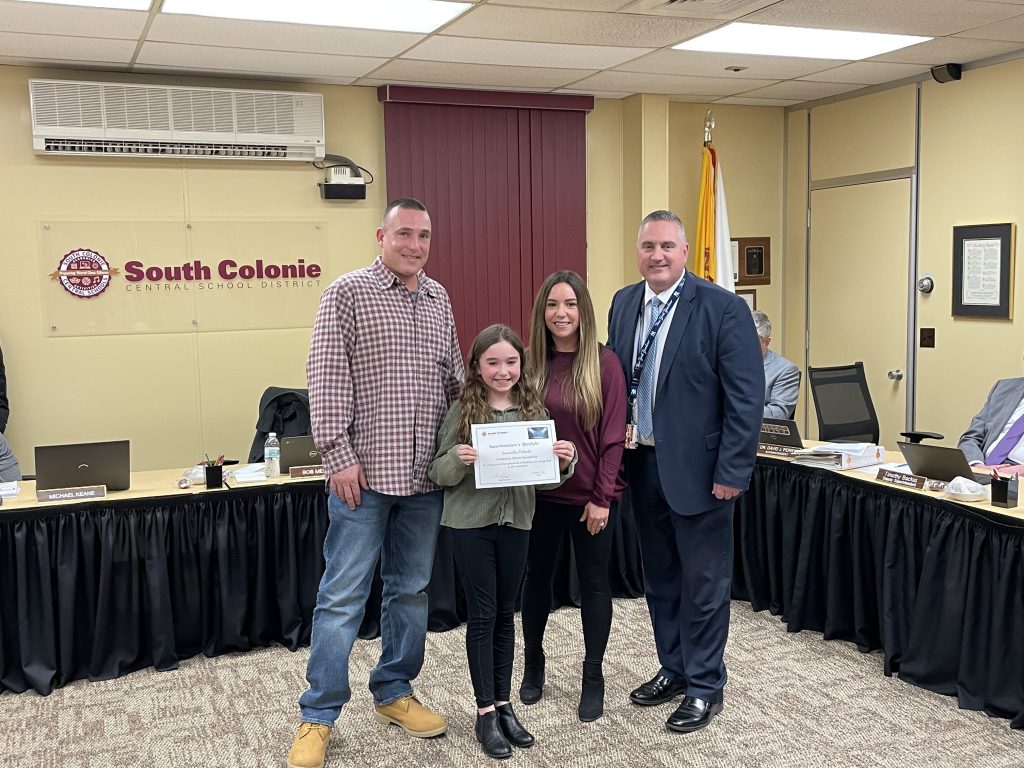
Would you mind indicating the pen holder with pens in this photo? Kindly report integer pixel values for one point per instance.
(214, 476)
(1004, 492)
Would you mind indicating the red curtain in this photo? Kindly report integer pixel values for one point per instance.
(504, 178)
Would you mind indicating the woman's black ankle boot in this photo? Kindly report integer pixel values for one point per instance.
(488, 733)
(533, 677)
(592, 697)
(512, 728)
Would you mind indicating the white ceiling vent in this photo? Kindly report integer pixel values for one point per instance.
(82, 118)
(699, 9)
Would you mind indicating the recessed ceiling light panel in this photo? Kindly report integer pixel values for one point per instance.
(390, 15)
(801, 42)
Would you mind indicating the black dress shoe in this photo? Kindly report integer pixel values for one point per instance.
(693, 714)
(488, 733)
(512, 728)
(657, 690)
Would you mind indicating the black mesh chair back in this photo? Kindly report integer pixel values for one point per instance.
(843, 404)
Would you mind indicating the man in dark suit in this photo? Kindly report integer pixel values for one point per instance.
(696, 403)
(995, 437)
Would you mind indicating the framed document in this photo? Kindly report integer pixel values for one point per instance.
(515, 453)
(983, 271)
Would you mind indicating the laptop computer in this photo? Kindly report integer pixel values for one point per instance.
(939, 463)
(72, 466)
(298, 452)
(780, 432)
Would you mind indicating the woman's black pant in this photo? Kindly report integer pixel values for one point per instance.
(550, 523)
(491, 562)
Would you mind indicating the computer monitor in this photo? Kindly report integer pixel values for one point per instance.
(80, 464)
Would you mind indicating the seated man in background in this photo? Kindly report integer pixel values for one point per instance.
(781, 377)
(9, 469)
(994, 437)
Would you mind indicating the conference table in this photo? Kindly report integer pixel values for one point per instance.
(157, 574)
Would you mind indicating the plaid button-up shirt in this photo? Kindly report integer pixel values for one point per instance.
(384, 365)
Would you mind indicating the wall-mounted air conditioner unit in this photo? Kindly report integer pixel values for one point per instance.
(116, 119)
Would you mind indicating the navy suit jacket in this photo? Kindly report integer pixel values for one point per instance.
(709, 394)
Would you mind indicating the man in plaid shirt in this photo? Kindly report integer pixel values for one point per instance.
(384, 365)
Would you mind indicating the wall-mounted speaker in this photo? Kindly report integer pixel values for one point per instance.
(945, 73)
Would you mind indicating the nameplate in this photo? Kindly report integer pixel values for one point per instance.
(72, 494)
(901, 479)
(771, 449)
(311, 470)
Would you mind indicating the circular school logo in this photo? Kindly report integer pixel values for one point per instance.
(83, 273)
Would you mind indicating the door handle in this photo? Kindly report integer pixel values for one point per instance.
(896, 375)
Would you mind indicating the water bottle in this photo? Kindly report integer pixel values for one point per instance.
(272, 456)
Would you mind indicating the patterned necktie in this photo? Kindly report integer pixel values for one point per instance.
(645, 389)
(1002, 449)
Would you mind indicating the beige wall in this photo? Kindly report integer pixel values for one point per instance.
(971, 157)
(970, 151)
(177, 395)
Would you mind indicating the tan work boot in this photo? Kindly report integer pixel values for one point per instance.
(412, 717)
(310, 746)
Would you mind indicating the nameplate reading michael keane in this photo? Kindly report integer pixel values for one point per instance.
(72, 494)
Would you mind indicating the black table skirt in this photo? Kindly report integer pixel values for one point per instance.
(98, 590)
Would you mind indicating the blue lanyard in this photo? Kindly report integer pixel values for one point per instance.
(652, 334)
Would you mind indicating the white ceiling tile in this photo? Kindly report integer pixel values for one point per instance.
(71, 20)
(375, 83)
(572, 5)
(868, 73)
(1011, 29)
(501, 22)
(198, 57)
(670, 62)
(635, 82)
(265, 35)
(60, 48)
(512, 53)
(906, 17)
(293, 77)
(595, 94)
(477, 75)
(943, 50)
(801, 90)
(753, 102)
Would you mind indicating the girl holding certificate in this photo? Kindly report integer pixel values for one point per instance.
(585, 393)
(491, 526)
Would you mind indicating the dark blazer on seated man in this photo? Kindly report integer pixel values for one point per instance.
(5, 407)
(698, 440)
(995, 434)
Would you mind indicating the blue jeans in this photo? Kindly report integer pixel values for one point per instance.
(402, 530)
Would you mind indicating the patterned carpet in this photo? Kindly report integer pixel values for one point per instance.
(793, 701)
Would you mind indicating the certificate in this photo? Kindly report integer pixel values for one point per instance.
(515, 453)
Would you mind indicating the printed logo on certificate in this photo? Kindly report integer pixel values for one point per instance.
(515, 453)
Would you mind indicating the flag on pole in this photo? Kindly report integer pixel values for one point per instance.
(712, 245)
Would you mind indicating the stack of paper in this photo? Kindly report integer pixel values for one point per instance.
(840, 455)
(9, 490)
(250, 473)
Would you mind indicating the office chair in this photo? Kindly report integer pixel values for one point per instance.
(284, 411)
(844, 408)
(843, 404)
